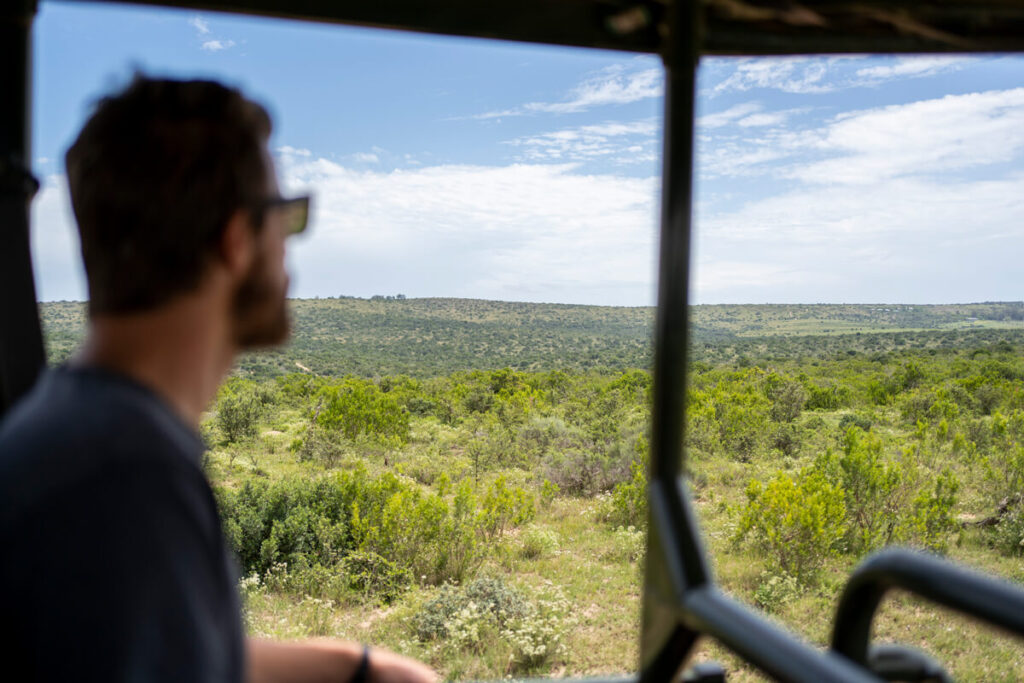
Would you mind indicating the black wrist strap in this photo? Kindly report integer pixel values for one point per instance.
(362, 674)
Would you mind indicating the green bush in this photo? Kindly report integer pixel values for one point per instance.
(854, 420)
(354, 407)
(829, 397)
(372, 575)
(536, 542)
(776, 590)
(933, 520)
(1004, 473)
(1007, 535)
(795, 521)
(491, 596)
(787, 397)
(743, 422)
(629, 544)
(504, 506)
(548, 492)
(869, 483)
(302, 522)
(320, 445)
(240, 406)
(437, 540)
(578, 471)
(629, 499)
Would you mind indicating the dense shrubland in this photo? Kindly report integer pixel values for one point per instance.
(427, 338)
(493, 521)
(439, 495)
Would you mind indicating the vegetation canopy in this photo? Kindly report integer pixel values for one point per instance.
(484, 508)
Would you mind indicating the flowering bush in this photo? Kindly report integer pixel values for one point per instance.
(775, 590)
(539, 636)
(537, 541)
(488, 614)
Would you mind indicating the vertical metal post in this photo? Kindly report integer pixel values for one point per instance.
(21, 340)
(675, 557)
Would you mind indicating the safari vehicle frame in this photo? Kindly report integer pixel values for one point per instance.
(681, 601)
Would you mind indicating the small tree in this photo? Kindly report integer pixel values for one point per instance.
(788, 398)
(239, 409)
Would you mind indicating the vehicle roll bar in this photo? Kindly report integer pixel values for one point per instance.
(21, 339)
(992, 601)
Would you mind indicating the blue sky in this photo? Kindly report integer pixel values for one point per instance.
(459, 167)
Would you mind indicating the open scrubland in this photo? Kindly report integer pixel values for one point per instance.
(464, 481)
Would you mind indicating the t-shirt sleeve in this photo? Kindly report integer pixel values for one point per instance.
(132, 582)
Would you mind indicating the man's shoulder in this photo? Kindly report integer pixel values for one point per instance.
(76, 425)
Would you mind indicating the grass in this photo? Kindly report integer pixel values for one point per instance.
(603, 586)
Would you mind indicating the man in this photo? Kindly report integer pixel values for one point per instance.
(112, 561)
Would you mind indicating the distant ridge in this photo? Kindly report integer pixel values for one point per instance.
(436, 336)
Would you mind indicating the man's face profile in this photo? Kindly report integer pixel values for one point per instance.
(260, 309)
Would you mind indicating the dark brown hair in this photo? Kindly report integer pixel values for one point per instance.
(155, 175)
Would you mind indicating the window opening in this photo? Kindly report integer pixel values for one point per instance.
(473, 314)
(895, 396)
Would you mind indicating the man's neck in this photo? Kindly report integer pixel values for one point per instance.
(181, 351)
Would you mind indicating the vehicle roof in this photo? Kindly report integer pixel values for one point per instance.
(727, 27)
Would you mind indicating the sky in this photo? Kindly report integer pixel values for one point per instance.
(459, 167)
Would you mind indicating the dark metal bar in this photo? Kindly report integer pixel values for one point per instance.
(675, 563)
(671, 329)
(766, 27)
(675, 558)
(629, 25)
(733, 27)
(21, 339)
(901, 663)
(995, 602)
(763, 644)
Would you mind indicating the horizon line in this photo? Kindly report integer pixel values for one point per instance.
(401, 297)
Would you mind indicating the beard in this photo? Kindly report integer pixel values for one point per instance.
(260, 309)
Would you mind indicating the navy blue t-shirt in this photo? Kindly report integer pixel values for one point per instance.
(113, 566)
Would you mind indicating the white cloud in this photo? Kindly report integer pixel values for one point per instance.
(728, 116)
(610, 87)
(56, 257)
(788, 74)
(952, 133)
(912, 67)
(733, 155)
(366, 158)
(763, 119)
(744, 115)
(200, 25)
(803, 75)
(717, 277)
(217, 45)
(921, 138)
(520, 232)
(614, 85)
(293, 151)
(911, 240)
(916, 202)
(209, 43)
(592, 141)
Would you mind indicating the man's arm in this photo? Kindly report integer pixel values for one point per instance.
(328, 661)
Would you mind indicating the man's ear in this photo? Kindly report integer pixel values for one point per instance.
(238, 243)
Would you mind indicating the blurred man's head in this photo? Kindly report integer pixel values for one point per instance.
(157, 175)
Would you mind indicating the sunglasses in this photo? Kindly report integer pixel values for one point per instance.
(294, 210)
